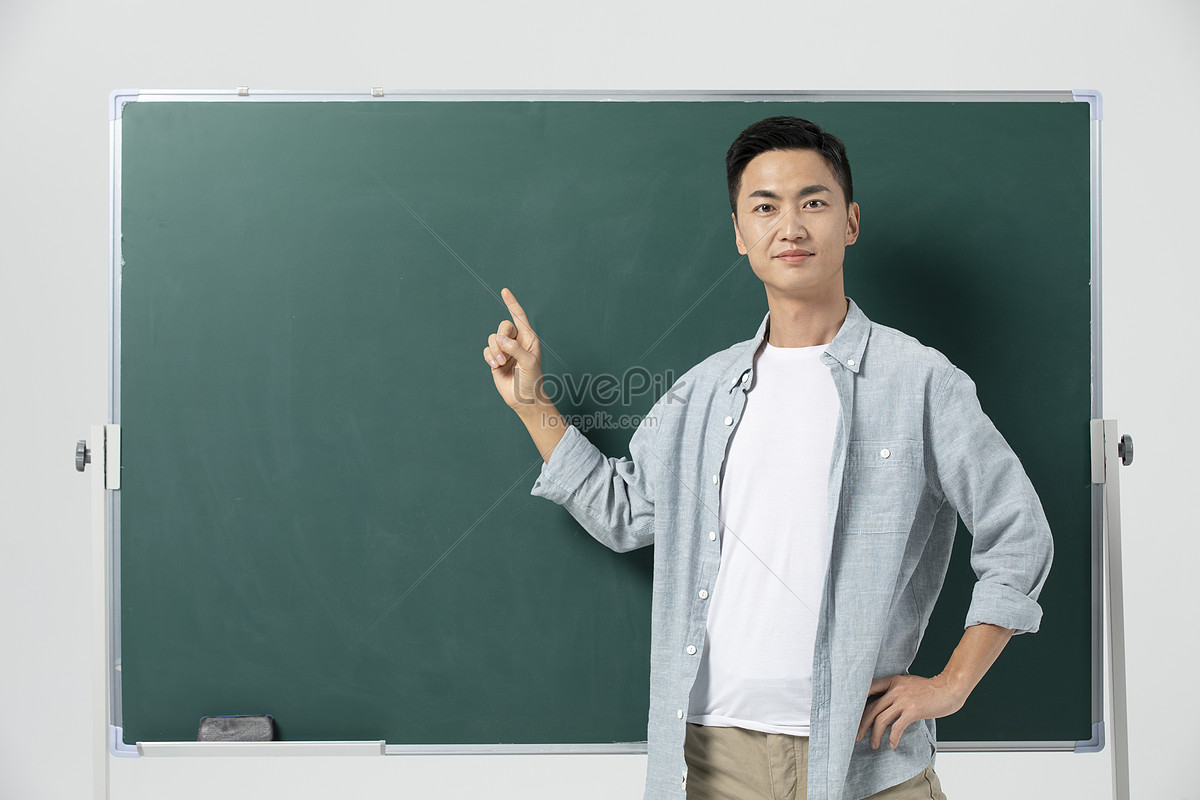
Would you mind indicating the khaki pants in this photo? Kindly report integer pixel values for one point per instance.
(737, 764)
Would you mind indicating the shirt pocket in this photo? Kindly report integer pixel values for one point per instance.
(883, 485)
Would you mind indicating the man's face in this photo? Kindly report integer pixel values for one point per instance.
(793, 223)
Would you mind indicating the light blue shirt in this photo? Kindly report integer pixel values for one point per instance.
(913, 451)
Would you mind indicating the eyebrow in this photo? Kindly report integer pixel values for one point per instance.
(815, 188)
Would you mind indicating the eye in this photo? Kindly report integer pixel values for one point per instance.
(815, 204)
(764, 207)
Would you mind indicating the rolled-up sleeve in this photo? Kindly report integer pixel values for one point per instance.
(612, 498)
(984, 481)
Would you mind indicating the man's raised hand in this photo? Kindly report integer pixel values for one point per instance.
(515, 356)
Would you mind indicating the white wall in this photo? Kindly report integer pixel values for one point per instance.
(60, 58)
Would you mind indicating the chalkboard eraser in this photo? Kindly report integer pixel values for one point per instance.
(239, 728)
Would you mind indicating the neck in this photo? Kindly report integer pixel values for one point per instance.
(805, 323)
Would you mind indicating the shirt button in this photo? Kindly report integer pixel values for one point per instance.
(849, 362)
(885, 453)
(712, 536)
(704, 594)
(691, 649)
(729, 420)
(679, 713)
(746, 377)
(716, 479)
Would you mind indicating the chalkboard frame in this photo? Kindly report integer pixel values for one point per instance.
(118, 101)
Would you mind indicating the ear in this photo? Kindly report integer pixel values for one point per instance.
(852, 224)
(737, 236)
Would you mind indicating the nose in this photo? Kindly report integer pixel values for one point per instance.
(791, 225)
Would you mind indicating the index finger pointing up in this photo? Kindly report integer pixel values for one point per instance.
(518, 313)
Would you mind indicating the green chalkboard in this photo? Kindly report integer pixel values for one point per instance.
(324, 511)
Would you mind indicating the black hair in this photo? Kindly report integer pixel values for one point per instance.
(785, 133)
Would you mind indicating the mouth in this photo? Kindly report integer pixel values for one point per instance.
(793, 256)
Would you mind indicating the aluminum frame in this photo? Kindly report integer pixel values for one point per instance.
(120, 98)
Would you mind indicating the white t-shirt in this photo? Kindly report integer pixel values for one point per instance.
(756, 668)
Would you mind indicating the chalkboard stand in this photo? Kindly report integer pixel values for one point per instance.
(1111, 451)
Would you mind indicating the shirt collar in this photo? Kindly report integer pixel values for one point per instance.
(846, 349)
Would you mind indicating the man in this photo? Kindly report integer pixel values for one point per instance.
(802, 490)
